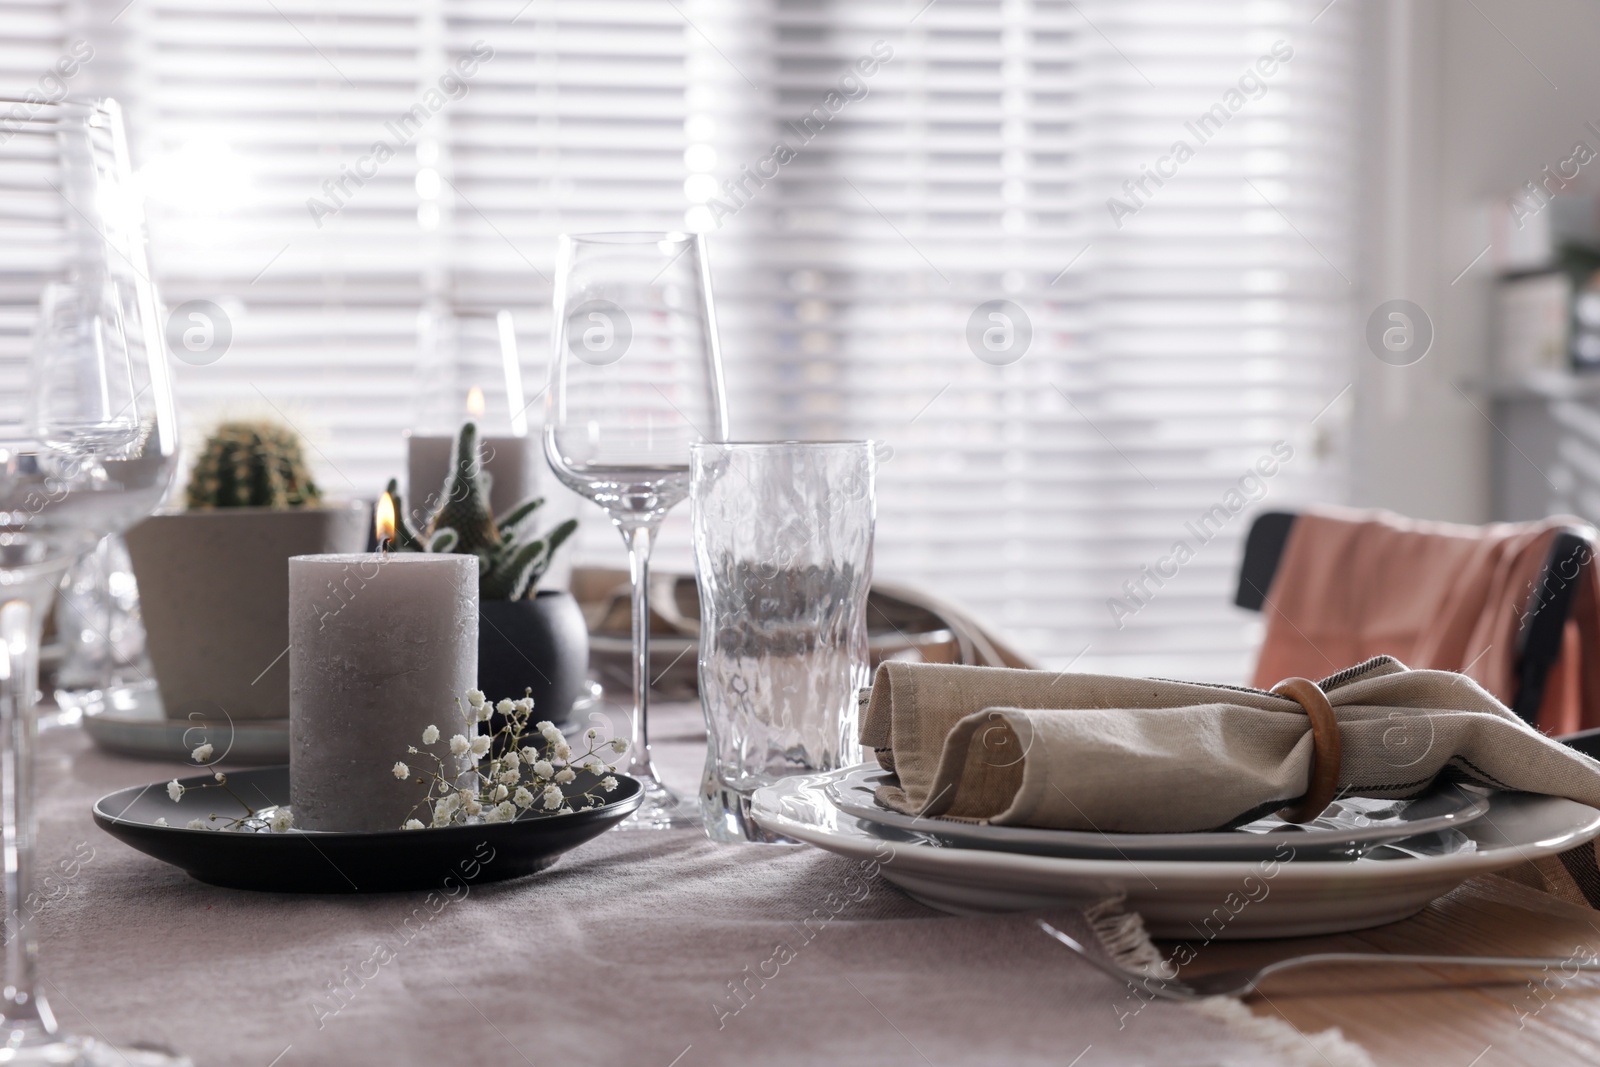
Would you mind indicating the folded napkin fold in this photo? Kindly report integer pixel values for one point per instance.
(1092, 752)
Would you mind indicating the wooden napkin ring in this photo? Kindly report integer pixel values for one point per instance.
(1325, 754)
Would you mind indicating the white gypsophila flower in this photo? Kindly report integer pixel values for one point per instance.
(511, 759)
(476, 698)
(508, 778)
(552, 735)
(430, 735)
(201, 753)
(412, 749)
(485, 713)
(504, 811)
(543, 769)
(282, 820)
(441, 818)
(608, 783)
(530, 754)
(565, 775)
(505, 707)
(400, 770)
(522, 798)
(619, 745)
(591, 733)
(552, 797)
(412, 824)
(219, 776)
(163, 822)
(592, 765)
(525, 705)
(563, 750)
(480, 747)
(473, 807)
(459, 745)
(543, 725)
(500, 793)
(174, 790)
(197, 824)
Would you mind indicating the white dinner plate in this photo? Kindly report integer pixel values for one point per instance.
(1196, 900)
(1347, 829)
(135, 724)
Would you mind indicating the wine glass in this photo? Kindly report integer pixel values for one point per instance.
(635, 379)
(88, 445)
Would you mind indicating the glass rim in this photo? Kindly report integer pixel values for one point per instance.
(631, 237)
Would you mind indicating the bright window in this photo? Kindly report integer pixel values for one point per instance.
(898, 196)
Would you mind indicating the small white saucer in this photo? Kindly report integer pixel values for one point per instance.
(133, 723)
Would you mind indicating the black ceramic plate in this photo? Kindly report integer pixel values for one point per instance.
(318, 862)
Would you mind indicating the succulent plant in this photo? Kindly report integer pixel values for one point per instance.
(509, 564)
(407, 538)
(252, 464)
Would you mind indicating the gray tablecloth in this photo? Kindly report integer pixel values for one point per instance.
(645, 949)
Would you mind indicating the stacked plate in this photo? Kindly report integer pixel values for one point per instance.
(1362, 863)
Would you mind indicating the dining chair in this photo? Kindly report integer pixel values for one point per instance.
(904, 622)
(1538, 642)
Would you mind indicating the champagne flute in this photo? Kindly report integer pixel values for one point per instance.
(635, 379)
(88, 445)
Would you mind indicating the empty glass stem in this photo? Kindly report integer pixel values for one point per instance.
(639, 542)
(22, 1007)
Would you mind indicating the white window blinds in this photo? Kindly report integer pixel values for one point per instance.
(1177, 334)
(876, 177)
(38, 65)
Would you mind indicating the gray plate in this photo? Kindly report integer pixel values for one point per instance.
(1348, 829)
(135, 724)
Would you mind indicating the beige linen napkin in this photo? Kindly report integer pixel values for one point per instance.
(1092, 752)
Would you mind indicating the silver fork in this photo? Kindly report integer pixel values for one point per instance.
(1237, 982)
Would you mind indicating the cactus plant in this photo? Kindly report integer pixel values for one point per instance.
(252, 464)
(509, 564)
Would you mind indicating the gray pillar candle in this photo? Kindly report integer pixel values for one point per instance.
(509, 462)
(380, 648)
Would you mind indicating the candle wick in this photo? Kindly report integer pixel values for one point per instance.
(383, 550)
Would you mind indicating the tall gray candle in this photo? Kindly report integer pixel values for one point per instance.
(508, 461)
(380, 648)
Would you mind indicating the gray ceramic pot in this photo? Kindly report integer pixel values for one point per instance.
(214, 596)
(540, 644)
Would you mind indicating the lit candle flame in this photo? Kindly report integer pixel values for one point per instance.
(383, 521)
(475, 402)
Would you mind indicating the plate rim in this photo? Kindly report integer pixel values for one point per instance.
(1200, 841)
(105, 819)
(114, 719)
(936, 861)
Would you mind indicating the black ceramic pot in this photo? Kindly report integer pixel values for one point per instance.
(541, 644)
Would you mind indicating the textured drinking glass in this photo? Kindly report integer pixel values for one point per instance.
(783, 553)
(103, 662)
